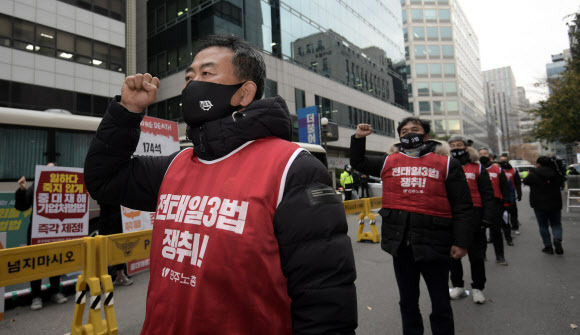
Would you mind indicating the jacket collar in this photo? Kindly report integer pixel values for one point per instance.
(262, 118)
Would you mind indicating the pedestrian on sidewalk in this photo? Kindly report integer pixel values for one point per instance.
(249, 236)
(545, 183)
(484, 210)
(500, 192)
(24, 199)
(515, 186)
(427, 217)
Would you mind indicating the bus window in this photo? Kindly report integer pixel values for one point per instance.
(22, 150)
(72, 148)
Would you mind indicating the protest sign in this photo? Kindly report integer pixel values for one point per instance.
(61, 204)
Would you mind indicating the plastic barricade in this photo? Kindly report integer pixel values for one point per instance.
(363, 207)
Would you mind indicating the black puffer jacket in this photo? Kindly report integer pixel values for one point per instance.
(431, 237)
(544, 185)
(315, 252)
(23, 200)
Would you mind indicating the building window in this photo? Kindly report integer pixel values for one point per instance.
(452, 107)
(424, 108)
(432, 34)
(439, 126)
(271, 89)
(300, 98)
(420, 52)
(445, 33)
(450, 89)
(423, 89)
(419, 33)
(325, 66)
(431, 15)
(434, 52)
(417, 15)
(405, 35)
(454, 126)
(421, 70)
(435, 70)
(404, 15)
(444, 15)
(449, 70)
(436, 89)
(438, 108)
(411, 109)
(447, 51)
(410, 89)
(308, 48)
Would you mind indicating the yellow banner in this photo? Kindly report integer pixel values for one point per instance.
(354, 206)
(22, 264)
(376, 202)
(122, 248)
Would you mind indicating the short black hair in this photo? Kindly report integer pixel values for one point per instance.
(415, 120)
(248, 62)
(504, 155)
(545, 161)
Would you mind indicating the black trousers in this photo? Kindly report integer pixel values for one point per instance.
(505, 226)
(513, 215)
(495, 229)
(435, 274)
(476, 255)
(35, 287)
(364, 191)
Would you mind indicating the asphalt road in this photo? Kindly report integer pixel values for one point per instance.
(537, 294)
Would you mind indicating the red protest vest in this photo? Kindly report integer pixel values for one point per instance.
(215, 261)
(416, 184)
(494, 172)
(472, 172)
(510, 175)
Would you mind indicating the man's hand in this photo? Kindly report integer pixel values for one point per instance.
(458, 252)
(363, 130)
(139, 91)
(22, 183)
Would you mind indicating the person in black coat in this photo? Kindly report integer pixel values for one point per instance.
(24, 199)
(421, 244)
(484, 214)
(545, 182)
(315, 252)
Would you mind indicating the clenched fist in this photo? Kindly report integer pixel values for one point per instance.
(22, 183)
(363, 130)
(139, 91)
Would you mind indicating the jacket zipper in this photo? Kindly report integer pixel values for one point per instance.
(201, 133)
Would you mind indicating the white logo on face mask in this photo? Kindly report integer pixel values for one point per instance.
(205, 105)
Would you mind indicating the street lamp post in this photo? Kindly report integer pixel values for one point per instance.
(324, 123)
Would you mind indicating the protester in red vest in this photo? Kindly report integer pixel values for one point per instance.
(249, 236)
(500, 193)
(484, 214)
(427, 217)
(515, 181)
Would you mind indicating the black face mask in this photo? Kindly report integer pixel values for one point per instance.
(485, 161)
(203, 102)
(461, 155)
(412, 140)
(505, 165)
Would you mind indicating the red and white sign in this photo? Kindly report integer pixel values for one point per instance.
(158, 138)
(61, 204)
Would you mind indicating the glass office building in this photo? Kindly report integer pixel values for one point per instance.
(443, 68)
(349, 46)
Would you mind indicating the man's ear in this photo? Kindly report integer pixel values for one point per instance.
(245, 94)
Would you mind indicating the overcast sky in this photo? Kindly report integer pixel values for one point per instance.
(522, 34)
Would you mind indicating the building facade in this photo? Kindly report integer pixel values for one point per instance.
(306, 46)
(502, 107)
(443, 68)
(61, 54)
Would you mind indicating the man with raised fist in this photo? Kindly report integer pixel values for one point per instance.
(427, 217)
(249, 236)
